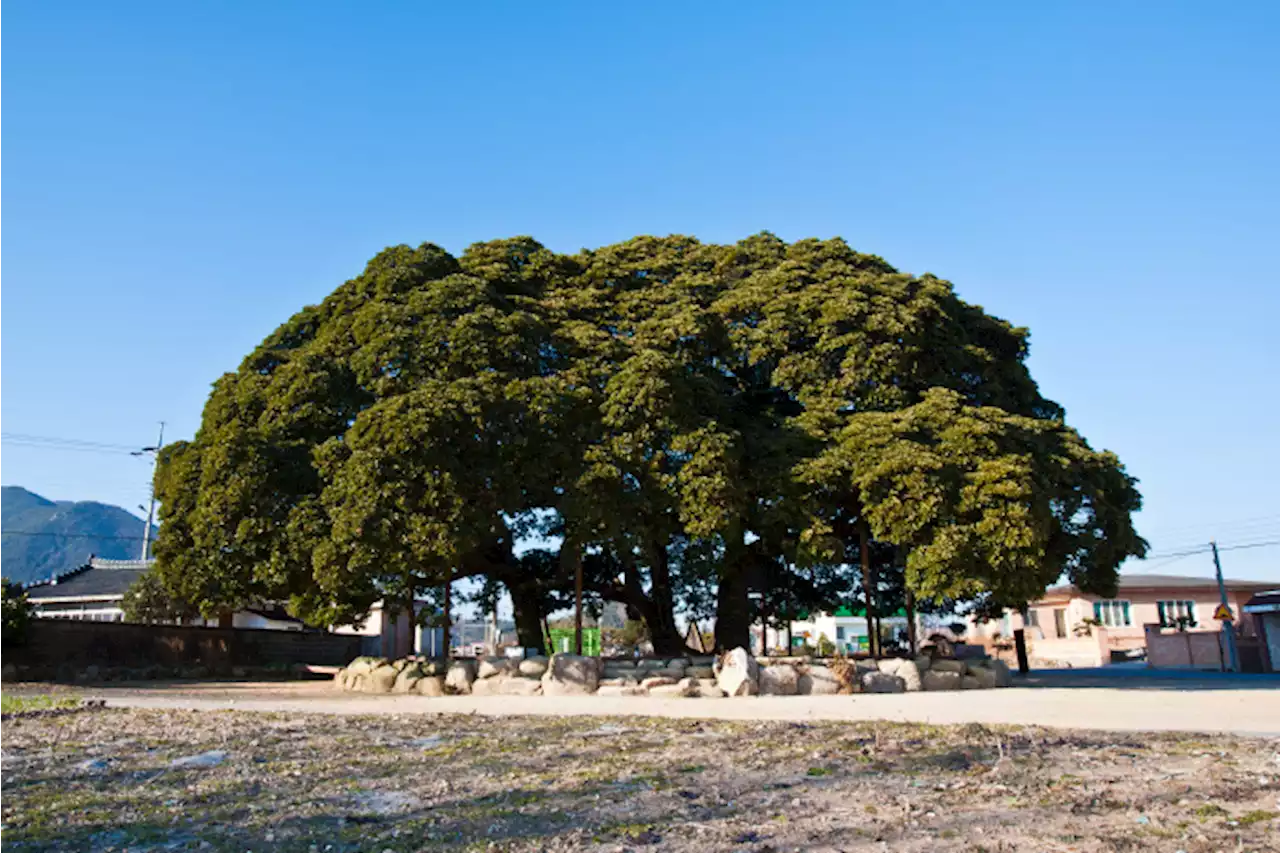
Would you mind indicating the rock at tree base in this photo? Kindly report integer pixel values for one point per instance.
(739, 673)
(571, 675)
(487, 686)
(779, 679)
(991, 673)
(461, 676)
(708, 688)
(968, 682)
(904, 669)
(518, 686)
(533, 667)
(880, 682)
(365, 665)
(381, 680)
(684, 687)
(407, 682)
(935, 680)
(947, 665)
(817, 680)
(492, 667)
(620, 690)
(431, 685)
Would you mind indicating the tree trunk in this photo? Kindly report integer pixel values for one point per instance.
(570, 552)
(527, 607)
(448, 616)
(733, 606)
(663, 633)
(868, 587)
(913, 642)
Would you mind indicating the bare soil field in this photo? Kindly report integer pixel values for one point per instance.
(149, 780)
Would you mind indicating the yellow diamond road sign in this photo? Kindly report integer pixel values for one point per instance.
(1223, 613)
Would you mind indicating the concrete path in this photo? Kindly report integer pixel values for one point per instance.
(1170, 706)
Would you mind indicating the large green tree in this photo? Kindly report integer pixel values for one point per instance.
(691, 422)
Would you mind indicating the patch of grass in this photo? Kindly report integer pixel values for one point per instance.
(1256, 816)
(692, 768)
(818, 771)
(1209, 810)
(10, 704)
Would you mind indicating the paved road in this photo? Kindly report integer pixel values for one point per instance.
(1231, 704)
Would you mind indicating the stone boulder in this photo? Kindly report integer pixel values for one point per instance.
(779, 679)
(708, 688)
(491, 667)
(488, 686)
(882, 682)
(969, 682)
(533, 667)
(365, 665)
(991, 673)
(817, 680)
(681, 688)
(947, 665)
(571, 675)
(620, 690)
(461, 675)
(430, 685)
(739, 673)
(923, 663)
(940, 680)
(519, 686)
(381, 680)
(700, 672)
(407, 680)
(904, 669)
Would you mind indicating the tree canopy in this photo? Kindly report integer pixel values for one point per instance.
(686, 422)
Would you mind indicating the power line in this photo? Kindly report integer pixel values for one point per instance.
(1249, 545)
(48, 442)
(65, 535)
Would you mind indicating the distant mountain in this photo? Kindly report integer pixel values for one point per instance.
(40, 538)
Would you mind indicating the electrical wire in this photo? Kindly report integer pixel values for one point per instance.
(65, 536)
(48, 442)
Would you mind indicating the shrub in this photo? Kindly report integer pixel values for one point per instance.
(17, 613)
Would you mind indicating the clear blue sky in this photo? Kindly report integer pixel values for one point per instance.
(179, 178)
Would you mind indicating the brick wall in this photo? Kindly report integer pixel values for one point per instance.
(52, 642)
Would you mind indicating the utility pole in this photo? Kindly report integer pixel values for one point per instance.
(151, 508)
(1228, 628)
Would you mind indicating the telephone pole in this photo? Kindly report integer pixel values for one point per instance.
(151, 508)
(1228, 628)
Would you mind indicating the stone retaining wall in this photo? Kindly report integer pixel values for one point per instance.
(735, 673)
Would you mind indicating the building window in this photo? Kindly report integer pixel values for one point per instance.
(839, 633)
(1174, 612)
(1112, 614)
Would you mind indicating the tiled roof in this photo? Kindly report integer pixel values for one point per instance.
(99, 579)
(1141, 581)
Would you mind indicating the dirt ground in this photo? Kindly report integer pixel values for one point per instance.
(145, 779)
(1113, 700)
